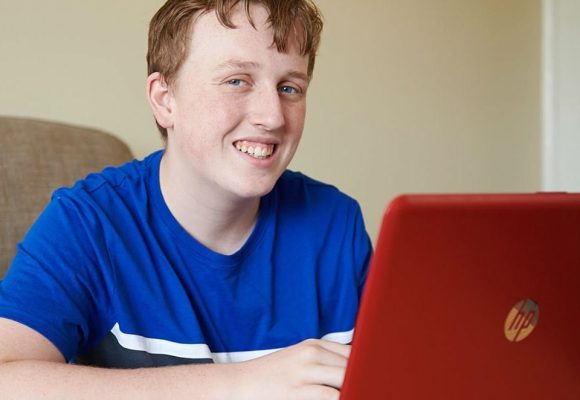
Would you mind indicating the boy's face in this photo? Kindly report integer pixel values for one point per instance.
(236, 94)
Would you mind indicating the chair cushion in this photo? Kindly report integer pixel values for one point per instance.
(37, 157)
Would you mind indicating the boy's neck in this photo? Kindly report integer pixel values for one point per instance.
(219, 222)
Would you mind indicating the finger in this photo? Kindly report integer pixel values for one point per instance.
(331, 359)
(318, 392)
(326, 375)
(315, 352)
(338, 348)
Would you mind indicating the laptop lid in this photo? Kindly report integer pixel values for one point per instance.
(471, 297)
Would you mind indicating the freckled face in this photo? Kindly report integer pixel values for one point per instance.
(238, 107)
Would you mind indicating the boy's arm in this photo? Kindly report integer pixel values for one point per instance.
(32, 367)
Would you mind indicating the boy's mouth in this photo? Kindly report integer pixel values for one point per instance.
(260, 151)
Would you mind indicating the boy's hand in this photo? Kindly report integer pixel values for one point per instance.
(313, 369)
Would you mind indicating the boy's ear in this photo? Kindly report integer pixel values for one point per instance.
(159, 99)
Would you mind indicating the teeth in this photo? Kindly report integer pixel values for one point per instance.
(255, 151)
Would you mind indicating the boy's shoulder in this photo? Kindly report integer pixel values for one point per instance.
(127, 176)
(298, 187)
(294, 181)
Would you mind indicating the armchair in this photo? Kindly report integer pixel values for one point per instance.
(37, 157)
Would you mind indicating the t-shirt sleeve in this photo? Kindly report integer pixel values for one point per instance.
(53, 285)
(362, 248)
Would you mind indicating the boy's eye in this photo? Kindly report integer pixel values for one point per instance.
(235, 82)
(288, 90)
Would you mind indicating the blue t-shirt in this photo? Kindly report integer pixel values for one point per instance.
(109, 276)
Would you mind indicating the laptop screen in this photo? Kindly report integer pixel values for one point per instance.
(471, 297)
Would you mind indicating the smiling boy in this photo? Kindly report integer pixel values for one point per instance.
(237, 278)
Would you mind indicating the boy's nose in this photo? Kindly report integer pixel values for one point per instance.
(266, 110)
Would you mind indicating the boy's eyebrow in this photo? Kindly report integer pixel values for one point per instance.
(239, 64)
(299, 75)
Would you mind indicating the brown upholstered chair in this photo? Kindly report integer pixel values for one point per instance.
(37, 157)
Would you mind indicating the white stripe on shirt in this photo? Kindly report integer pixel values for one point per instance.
(202, 351)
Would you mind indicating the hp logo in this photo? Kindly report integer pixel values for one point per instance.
(521, 320)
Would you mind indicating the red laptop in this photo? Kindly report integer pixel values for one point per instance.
(471, 297)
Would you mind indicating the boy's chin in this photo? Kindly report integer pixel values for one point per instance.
(256, 192)
(254, 189)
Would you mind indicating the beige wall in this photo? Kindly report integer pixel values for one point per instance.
(408, 95)
(561, 95)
